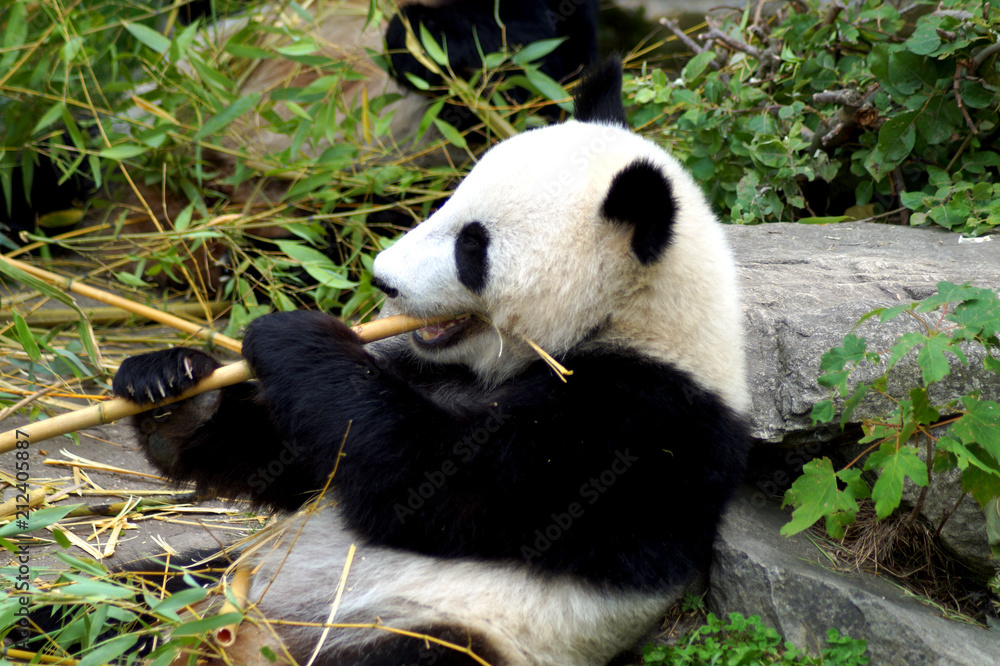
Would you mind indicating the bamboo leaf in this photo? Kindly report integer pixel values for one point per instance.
(26, 339)
(536, 51)
(53, 114)
(148, 36)
(122, 151)
(449, 132)
(36, 520)
(432, 48)
(234, 111)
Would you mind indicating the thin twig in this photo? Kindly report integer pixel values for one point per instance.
(985, 53)
(674, 27)
(958, 97)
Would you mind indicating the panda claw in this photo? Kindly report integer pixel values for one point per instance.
(188, 368)
(163, 390)
(149, 393)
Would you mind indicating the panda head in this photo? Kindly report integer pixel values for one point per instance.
(578, 237)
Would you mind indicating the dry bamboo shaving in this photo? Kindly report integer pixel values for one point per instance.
(334, 606)
(560, 370)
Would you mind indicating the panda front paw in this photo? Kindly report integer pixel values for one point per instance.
(152, 377)
(302, 340)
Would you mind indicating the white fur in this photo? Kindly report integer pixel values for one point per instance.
(558, 270)
(531, 619)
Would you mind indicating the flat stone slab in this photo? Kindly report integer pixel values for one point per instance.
(805, 286)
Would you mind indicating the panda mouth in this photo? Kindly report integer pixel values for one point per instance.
(437, 334)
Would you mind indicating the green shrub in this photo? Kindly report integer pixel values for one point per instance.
(824, 113)
(963, 433)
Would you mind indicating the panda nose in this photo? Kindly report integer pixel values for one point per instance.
(384, 288)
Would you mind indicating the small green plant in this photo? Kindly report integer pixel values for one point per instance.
(748, 642)
(824, 113)
(963, 434)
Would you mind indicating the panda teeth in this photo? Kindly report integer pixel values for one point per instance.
(438, 331)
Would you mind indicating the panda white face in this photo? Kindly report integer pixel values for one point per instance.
(580, 234)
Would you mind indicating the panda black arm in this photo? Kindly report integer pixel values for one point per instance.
(586, 459)
(221, 440)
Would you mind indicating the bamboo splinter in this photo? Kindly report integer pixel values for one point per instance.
(227, 375)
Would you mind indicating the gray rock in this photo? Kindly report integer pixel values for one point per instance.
(788, 582)
(805, 287)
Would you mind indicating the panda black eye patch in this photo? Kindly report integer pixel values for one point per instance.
(470, 256)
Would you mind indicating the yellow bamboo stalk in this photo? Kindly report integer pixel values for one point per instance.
(227, 375)
(11, 506)
(24, 655)
(240, 586)
(70, 284)
(110, 315)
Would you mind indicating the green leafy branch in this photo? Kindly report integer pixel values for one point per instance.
(823, 114)
(950, 323)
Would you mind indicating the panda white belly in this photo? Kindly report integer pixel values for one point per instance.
(518, 614)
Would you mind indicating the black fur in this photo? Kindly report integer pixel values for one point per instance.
(640, 196)
(470, 257)
(598, 97)
(454, 24)
(50, 191)
(162, 374)
(562, 475)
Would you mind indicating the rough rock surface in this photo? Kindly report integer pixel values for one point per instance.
(788, 583)
(805, 286)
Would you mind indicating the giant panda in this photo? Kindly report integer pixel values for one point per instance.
(527, 515)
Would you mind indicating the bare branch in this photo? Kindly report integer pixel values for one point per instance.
(978, 59)
(734, 44)
(674, 27)
(850, 98)
(958, 97)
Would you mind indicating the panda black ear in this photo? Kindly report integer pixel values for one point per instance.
(640, 196)
(598, 97)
